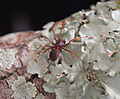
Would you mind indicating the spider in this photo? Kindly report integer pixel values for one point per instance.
(59, 45)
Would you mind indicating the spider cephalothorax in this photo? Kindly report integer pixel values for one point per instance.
(60, 43)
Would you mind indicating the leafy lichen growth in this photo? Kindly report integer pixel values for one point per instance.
(7, 58)
(39, 66)
(35, 44)
(100, 54)
(23, 89)
(39, 96)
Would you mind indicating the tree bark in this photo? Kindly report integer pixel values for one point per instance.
(14, 64)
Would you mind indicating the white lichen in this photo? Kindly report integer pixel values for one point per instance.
(7, 58)
(90, 67)
(116, 15)
(38, 66)
(40, 96)
(35, 44)
(98, 70)
(23, 89)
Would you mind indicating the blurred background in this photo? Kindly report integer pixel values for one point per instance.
(33, 14)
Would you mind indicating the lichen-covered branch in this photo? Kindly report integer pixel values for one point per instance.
(87, 68)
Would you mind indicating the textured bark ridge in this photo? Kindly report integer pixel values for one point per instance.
(15, 82)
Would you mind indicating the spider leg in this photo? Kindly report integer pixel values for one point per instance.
(58, 51)
(54, 31)
(45, 47)
(47, 50)
(61, 30)
(75, 39)
(72, 53)
(48, 40)
(60, 60)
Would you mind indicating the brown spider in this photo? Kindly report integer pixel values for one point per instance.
(59, 45)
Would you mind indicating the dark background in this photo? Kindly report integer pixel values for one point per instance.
(33, 14)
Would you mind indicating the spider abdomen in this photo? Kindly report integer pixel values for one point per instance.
(53, 55)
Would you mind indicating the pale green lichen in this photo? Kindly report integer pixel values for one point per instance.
(90, 76)
(40, 96)
(36, 44)
(23, 89)
(116, 15)
(7, 58)
(39, 66)
(46, 30)
(98, 71)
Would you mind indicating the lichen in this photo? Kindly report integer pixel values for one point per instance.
(100, 55)
(39, 66)
(35, 44)
(90, 71)
(39, 96)
(7, 58)
(23, 89)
